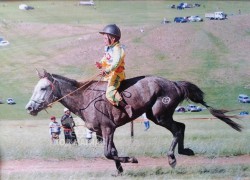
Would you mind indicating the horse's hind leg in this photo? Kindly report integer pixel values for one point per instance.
(181, 135)
(178, 130)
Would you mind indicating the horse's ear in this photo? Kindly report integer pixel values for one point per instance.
(45, 73)
(39, 74)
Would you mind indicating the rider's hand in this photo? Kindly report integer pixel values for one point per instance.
(98, 65)
(102, 73)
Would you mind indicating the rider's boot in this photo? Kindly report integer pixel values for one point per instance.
(127, 108)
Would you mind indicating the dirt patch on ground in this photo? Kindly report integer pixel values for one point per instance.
(101, 164)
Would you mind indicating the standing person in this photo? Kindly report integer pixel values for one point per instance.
(146, 122)
(68, 127)
(55, 129)
(112, 66)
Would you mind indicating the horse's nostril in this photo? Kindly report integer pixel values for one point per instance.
(29, 108)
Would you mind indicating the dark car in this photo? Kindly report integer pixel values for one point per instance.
(244, 113)
(180, 20)
(180, 6)
(180, 109)
(172, 6)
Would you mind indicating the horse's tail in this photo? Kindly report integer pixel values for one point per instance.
(192, 92)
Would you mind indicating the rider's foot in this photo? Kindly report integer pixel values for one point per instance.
(127, 108)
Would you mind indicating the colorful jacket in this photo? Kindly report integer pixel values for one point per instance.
(113, 60)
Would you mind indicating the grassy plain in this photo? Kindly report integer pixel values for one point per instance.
(21, 140)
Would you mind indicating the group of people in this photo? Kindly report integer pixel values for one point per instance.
(68, 124)
(112, 68)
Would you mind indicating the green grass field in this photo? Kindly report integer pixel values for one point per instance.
(22, 140)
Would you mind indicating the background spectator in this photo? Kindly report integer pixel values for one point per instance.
(68, 125)
(55, 129)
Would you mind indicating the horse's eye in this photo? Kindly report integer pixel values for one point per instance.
(43, 89)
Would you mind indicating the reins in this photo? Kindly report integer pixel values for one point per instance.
(85, 84)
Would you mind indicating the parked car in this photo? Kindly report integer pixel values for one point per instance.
(3, 42)
(11, 101)
(172, 6)
(180, 7)
(1, 101)
(195, 19)
(180, 20)
(193, 108)
(180, 109)
(165, 21)
(244, 113)
(243, 98)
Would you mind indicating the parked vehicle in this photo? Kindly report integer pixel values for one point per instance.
(3, 42)
(165, 21)
(87, 3)
(216, 15)
(10, 101)
(193, 108)
(172, 6)
(180, 20)
(195, 19)
(180, 109)
(244, 113)
(181, 6)
(243, 98)
(1, 101)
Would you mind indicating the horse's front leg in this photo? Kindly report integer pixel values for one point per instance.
(110, 151)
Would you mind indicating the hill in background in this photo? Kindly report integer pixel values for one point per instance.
(63, 38)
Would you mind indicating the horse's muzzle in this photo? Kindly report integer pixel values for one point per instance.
(32, 109)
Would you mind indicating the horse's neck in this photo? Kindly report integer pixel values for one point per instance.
(67, 95)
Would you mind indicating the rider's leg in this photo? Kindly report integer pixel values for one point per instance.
(114, 96)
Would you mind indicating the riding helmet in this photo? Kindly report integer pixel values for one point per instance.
(111, 29)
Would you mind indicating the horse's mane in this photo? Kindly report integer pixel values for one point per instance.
(69, 81)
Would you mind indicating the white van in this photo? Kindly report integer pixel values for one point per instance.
(243, 98)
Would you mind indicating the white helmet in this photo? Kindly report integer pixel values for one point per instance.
(65, 109)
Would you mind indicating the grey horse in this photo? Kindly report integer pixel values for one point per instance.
(155, 96)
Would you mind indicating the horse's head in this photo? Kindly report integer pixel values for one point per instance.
(43, 94)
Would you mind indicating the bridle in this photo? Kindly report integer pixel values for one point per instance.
(42, 101)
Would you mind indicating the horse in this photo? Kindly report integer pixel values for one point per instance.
(155, 96)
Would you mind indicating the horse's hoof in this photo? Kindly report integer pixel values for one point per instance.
(116, 174)
(186, 151)
(171, 160)
(133, 160)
